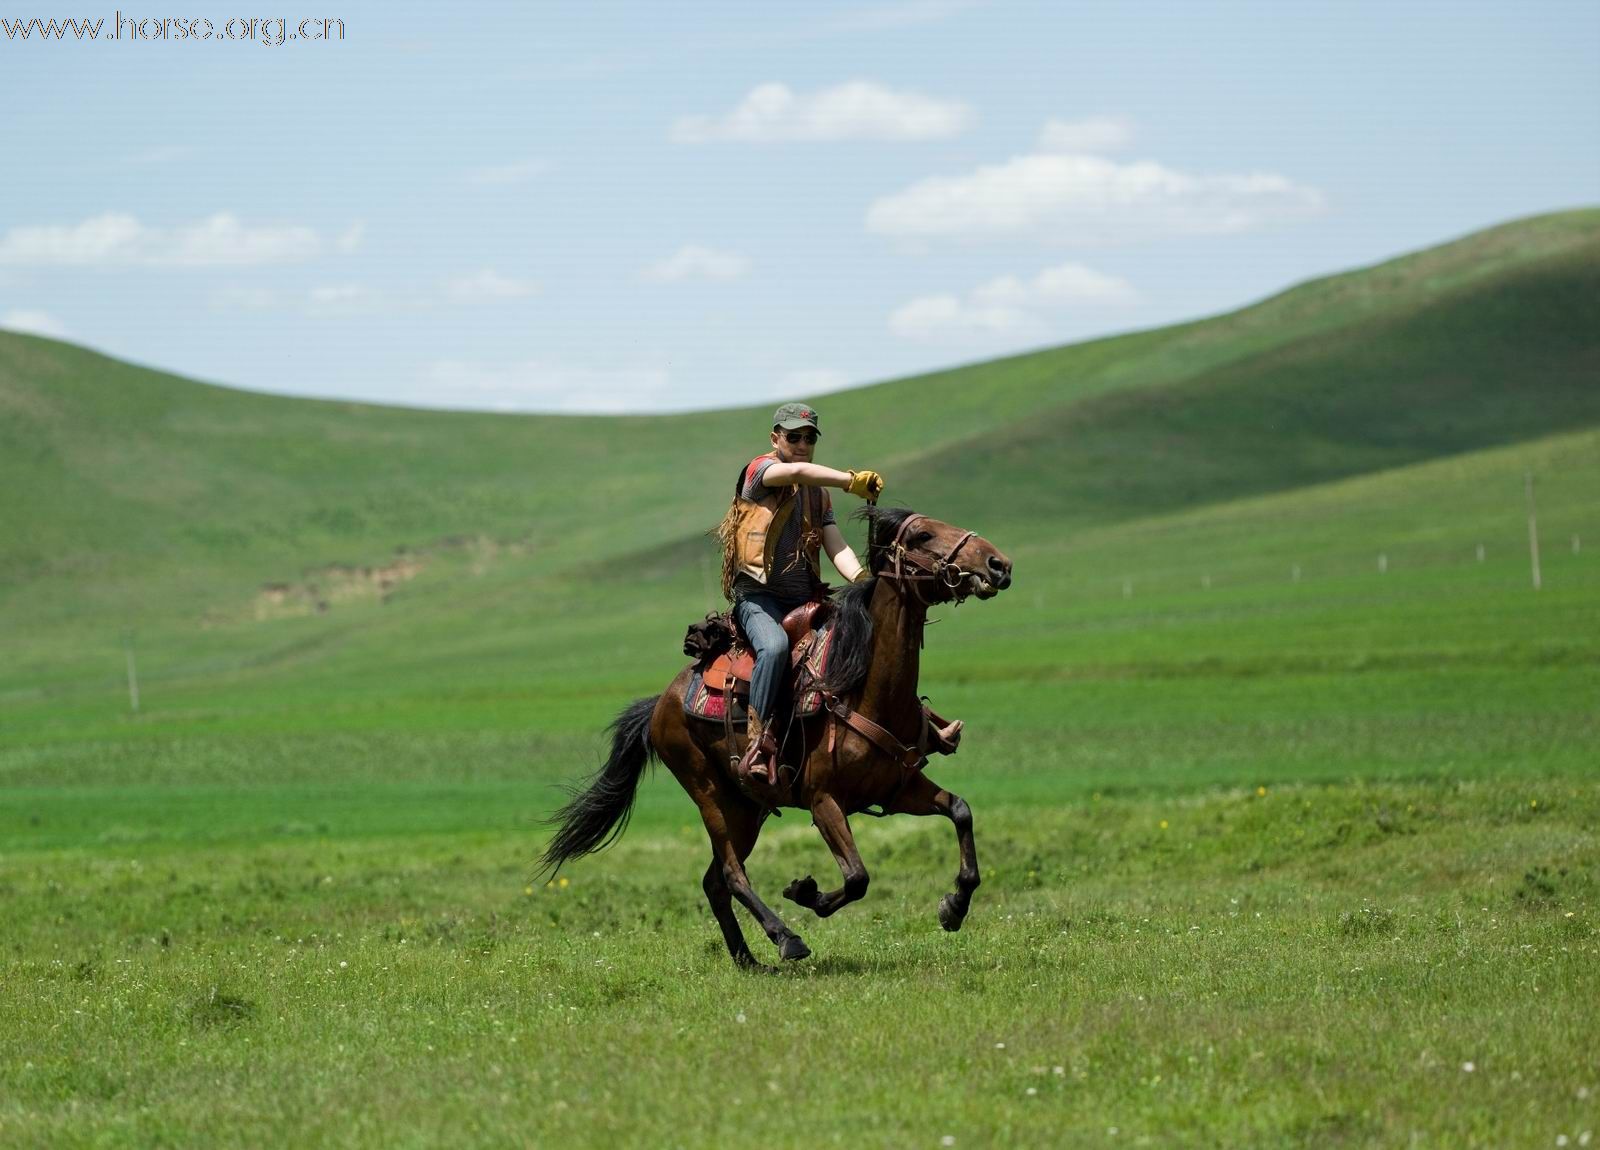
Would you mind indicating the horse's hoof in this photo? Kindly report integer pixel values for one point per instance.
(951, 913)
(793, 948)
(802, 891)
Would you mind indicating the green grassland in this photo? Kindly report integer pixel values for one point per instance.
(1280, 846)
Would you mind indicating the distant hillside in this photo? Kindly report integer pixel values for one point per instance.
(1494, 360)
(122, 487)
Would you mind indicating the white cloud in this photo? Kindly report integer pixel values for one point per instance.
(119, 240)
(103, 239)
(34, 323)
(505, 175)
(243, 297)
(1089, 200)
(694, 262)
(343, 299)
(859, 110)
(488, 286)
(535, 385)
(1065, 284)
(946, 317)
(222, 239)
(1095, 134)
(1010, 305)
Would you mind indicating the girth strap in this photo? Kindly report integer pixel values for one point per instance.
(909, 758)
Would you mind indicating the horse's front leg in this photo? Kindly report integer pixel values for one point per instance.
(835, 828)
(923, 796)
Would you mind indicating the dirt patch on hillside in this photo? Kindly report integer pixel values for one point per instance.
(321, 589)
(327, 586)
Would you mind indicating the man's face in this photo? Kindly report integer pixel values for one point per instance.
(800, 452)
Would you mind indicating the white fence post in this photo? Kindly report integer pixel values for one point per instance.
(1533, 529)
(133, 680)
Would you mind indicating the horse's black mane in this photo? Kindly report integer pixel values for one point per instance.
(851, 655)
(883, 523)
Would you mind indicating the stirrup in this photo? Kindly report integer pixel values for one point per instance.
(759, 764)
(761, 755)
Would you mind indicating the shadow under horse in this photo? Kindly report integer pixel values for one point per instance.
(915, 562)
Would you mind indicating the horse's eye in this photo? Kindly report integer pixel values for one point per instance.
(923, 537)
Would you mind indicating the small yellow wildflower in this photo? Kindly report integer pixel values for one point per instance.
(562, 882)
(1261, 792)
(527, 890)
(1163, 824)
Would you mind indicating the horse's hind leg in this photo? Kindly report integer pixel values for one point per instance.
(925, 797)
(835, 830)
(721, 900)
(733, 823)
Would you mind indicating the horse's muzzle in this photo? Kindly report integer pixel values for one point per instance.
(999, 572)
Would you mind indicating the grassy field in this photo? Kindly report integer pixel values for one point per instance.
(1283, 773)
(1361, 963)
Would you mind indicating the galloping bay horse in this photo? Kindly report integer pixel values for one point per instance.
(845, 767)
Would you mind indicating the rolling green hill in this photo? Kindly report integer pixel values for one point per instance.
(226, 532)
(125, 490)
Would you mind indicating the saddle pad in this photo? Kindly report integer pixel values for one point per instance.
(701, 702)
(816, 661)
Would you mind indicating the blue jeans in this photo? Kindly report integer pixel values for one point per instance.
(760, 616)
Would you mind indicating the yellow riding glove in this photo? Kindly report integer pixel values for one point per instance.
(866, 485)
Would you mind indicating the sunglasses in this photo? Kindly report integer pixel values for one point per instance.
(798, 436)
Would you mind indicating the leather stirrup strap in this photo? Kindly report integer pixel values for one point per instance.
(909, 757)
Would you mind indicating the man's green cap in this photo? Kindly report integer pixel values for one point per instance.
(793, 416)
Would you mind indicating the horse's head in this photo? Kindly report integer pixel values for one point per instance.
(935, 561)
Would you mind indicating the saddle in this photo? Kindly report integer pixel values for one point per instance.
(730, 670)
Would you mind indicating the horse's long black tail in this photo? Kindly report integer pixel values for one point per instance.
(598, 813)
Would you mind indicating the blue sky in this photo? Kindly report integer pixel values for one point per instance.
(616, 206)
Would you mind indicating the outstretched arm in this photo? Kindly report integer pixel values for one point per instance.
(867, 484)
(805, 474)
(844, 559)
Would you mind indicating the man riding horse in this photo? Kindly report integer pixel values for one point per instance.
(780, 519)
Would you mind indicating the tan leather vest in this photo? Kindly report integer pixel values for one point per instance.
(752, 529)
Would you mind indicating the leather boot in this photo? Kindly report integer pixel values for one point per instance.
(759, 766)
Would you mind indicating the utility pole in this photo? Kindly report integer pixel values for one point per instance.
(133, 674)
(1533, 528)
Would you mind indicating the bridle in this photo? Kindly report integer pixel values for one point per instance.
(913, 568)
